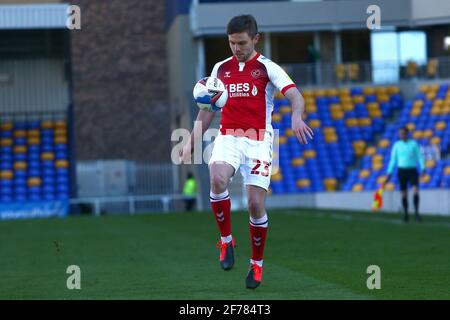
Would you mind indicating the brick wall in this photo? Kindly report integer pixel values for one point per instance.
(120, 81)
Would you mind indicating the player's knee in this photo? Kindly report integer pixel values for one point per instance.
(255, 206)
(218, 182)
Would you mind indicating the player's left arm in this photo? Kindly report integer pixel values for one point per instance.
(284, 83)
(420, 159)
(299, 127)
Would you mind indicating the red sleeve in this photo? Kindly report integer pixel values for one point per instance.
(286, 88)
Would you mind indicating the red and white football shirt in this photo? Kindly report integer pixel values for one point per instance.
(250, 87)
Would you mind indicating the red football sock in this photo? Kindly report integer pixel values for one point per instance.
(221, 207)
(258, 233)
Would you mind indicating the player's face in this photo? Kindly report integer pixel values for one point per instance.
(242, 45)
(403, 135)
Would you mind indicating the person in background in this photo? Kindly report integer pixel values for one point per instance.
(190, 192)
(406, 156)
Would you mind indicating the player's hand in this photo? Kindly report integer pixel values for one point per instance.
(184, 154)
(301, 130)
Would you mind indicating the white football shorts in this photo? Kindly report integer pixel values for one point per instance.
(252, 157)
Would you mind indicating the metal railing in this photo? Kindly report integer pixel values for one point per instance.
(128, 204)
(326, 73)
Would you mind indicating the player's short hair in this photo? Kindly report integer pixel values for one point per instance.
(243, 23)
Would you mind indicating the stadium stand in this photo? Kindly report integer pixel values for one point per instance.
(34, 161)
(354, 129)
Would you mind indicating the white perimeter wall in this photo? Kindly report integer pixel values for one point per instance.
(431, 201)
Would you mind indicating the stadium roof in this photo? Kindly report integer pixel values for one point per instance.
(211, 18)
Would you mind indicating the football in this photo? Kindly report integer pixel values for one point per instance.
(210, 94)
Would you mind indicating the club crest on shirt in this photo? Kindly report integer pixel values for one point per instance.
(256, 73)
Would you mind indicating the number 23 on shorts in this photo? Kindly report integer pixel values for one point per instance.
(257, 163)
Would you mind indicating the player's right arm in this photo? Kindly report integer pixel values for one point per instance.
(201, 124)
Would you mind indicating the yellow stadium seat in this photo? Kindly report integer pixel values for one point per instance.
(332, 92)
(6, 174)
(353, 71)
(61, 164)
(302, 183)
(441, 125)
(438, 102)
(320, 92)
(276, 117)
(330, 184)
(344, 91)
(418, 104)
(35, 133)
(337, 115)
(20, 133)
(311, 108)
(411, 126)
(357, 187)
(377, 166)
(384, 143)
(359, 147)
(425, 179)
(315, 123)
(339, 71)
(331, 138)
(34, 141)
(446, 110)
(423, 88)
(430, 164)
(298, 162)
(447, 171)
(365, 122)
(377, 158)
(389, 186)
(417, 134)
(289, 133)
(358, 99)
(375, 114)
(370, 151)
(364, 173)
(381, 90)
(435, 141)
(427, 133)
(6, 126)
(369, 90)
(20, 149)
(435, 111)
(373, 106)
(277, 177)
(308, 93)
(381, 179)
(34, 182)
(434, 87)
(47, 124)
(60, 124)
(382, 97)
(411, 69)
(6, 142)
(351, 122)
(348, 106)
(309, 154)
(285, 109)
(329, 130)
(393, 89)
(20, 165)
(416, 111)
(282, 140)
(60, 140)
(46, 156)
(431, 95)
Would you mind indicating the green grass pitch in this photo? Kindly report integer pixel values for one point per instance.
(310, 254)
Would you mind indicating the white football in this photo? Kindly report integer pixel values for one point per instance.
(210, 94)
